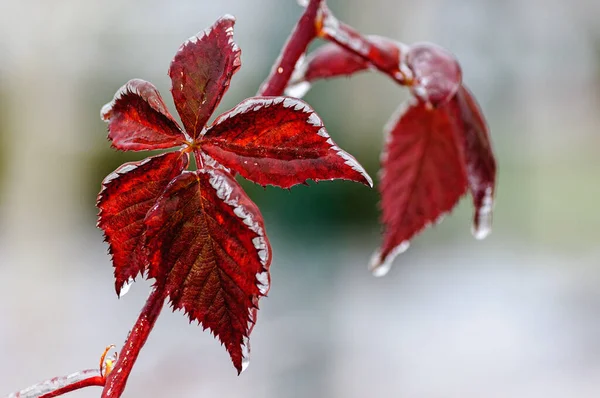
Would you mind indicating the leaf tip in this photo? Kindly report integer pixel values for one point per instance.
(245, 363)
(124, 288)
(245, 356)
(106, 111)
(380, 265)
(368, 179)
(350, 161)
(376, 266)
(227, 17)
(480, 233)
(482, 220)
(240, 354)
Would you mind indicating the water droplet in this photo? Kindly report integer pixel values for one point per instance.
(245, 363)
(246, 345)
(297, 90)
(482, 224)
(483, 227)
(303, 3)
(126, 287)
(380, 267)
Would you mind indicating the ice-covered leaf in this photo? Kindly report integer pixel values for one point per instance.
(279, 141)
(207, 244)
(201, 72)
(330, 60)
(431, 72)
(436, 73)
(126, 196)
(197, 233)
(423, 175)
(138, 119)
(481, 163)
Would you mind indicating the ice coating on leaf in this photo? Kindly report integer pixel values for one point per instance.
(423, 175)
(279, 141)
(330, 60)
(138, 119)
(298, 90)
(482, 226)
(245, 354)
(50, 386)
(126, 286)
(245, 363)
(381, 53)
(221, 183)
(207, 243)
(246, 349)
(224, 189)
(480, 160)
(436, 73)
(201, 72)
(264, 282)
(381, 268)
(127, 195)
(210, 162)
(331, 28)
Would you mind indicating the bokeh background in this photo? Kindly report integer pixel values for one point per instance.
(516, 315)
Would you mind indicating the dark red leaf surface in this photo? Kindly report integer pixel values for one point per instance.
(481, 164)
(436, 73)
(432, 73)
(207, 243)
(126, 196)
(279, 141)
(439, 143)
(423, 175)
(201, 72)
(197, 233)
(138, 119)
(330, 60)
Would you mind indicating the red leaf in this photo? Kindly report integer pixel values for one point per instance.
(331, 60)
(279, 141)
(481, 164)
(207, 243)
(197, 233)
(436, 73)
(126, 196)
(201, 71)
(423, 176)
(138, 119)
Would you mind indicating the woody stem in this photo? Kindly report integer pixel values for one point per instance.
(304, 32)
(352, 40)
(117, 378)
(61, 385)
(318, 21)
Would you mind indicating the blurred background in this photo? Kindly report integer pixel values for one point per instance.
(516, 315)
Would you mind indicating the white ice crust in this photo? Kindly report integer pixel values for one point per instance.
(224, 192)
(257, 103)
